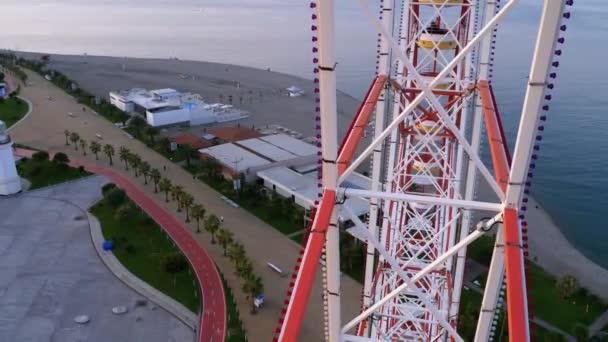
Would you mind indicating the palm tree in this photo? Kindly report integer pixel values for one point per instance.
(135, 162)
(165, 186)
(236, 252)
(67, 137)
(95, 147)
(155, 176)
(252, 286)
(123, 154)
(74, 137)
(212, 224)
(224, 237)
(189, 152)
(144, 168)
(151, 132)
(109, 151)
(243, 267)
(187, 201)
(198, 213)
(176, 193)
(83, 145)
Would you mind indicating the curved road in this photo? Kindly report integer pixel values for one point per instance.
(213, 318)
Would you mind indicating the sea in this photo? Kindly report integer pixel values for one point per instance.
(570, 179)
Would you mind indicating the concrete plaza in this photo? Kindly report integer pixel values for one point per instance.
(50, 273)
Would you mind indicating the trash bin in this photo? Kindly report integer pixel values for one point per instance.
(107, 245)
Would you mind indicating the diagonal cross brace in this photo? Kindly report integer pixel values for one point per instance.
(395, 266)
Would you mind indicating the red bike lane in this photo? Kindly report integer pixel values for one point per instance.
(212, 325)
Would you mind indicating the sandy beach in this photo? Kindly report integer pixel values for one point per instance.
(262, 92)
(269, 105)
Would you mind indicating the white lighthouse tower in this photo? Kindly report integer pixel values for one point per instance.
(10, 183)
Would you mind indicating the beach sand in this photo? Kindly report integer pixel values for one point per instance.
(263, 92)
(550, 249)
(269, 105)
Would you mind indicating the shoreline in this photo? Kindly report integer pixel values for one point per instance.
(549, 247)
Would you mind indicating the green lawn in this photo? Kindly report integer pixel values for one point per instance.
(548, 304)
(12, 110)
(469, 314)
(563, 313)
(480, 250)
(235, 332)
(46, 173)
(139, 245)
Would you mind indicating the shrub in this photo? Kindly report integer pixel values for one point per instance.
(147, 220)
(174, 263)
(124, 211)
(567, 285)
(81, 169)
(116, 197)
(130, 249)
(35, 171)
(107, 188)
(61, 158)
(40, 156)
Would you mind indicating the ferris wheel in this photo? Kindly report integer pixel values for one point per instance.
(429, 105)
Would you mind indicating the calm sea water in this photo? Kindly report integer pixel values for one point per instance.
(570, 180)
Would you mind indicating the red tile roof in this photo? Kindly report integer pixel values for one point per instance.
(191, 139)
(231, 134)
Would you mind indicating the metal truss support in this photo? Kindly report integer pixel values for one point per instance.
(526, 137)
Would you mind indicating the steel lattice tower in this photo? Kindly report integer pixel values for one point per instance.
(428, 104)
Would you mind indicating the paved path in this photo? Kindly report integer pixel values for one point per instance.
(50, 273)
(115, 266)
(44, 129)
(598, 324)
(213, 317)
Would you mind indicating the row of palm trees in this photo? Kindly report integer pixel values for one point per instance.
(94, 146)
(251, 284)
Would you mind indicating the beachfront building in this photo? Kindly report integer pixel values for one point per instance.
(283, 164)
(164, 107)
(301, 185)
(255, 154)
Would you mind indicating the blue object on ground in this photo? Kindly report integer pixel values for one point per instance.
(107, 245)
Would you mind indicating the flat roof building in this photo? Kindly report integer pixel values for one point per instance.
(303, 188)
(275, 151)
(234, 159)
(163, 107)
(291, 144)
(266, 149)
